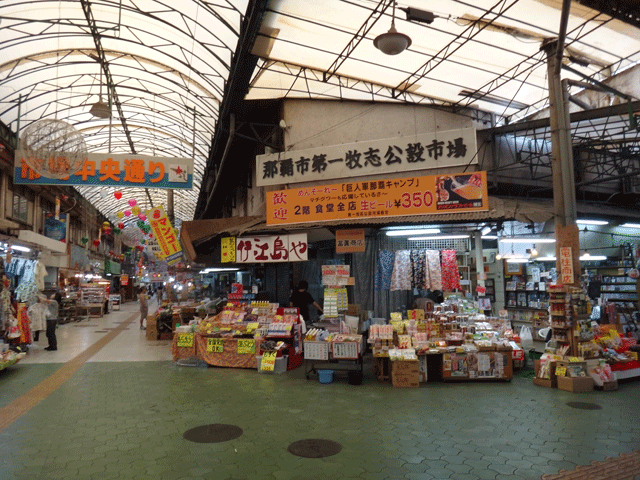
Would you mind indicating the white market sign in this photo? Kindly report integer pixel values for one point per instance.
(431, 150)
(278, 248)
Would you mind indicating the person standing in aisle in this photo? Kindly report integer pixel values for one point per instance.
(143, 299)
(301, 299)
(52, 320)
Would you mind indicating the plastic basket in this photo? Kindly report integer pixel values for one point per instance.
(325, 376)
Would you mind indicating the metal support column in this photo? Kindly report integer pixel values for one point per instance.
(564, 197)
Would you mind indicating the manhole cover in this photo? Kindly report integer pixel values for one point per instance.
(315, 448)
(214, 433)
(584, 405)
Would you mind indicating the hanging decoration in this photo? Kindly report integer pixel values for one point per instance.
(132, 202)
(96, 243)
(131, 235)
(106, 225)
(140, 224)
(117, 231)
(84, 240)
(127, 213)
(121, 226)
(53, 148)
(142, 216)
(117, 194)
(135, 210)
(120, 215)
(107, 230)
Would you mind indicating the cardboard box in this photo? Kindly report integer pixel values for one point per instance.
(405, 381)
(152, 333)
(151, 321)
(406, 367)
(610, 386)
(166, 336)
(575, 384)
(545, 382)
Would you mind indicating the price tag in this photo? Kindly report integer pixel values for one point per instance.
(251, 327)
(268, 361)
(561, 371)
(215, 345)
(185, 340)
(246, 347)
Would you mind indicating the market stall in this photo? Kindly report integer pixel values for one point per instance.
(237, 335)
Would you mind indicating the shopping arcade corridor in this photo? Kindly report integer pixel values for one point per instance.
(123, 412)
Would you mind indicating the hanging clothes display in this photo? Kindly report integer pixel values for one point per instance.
(402, 273)
(384, 269)
(450, 272)
(418, 268)
(38, 316)
(5, 308)
(27, 292)
(433, 276)
(39, 273)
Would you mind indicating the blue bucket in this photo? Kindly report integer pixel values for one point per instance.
(325, 376)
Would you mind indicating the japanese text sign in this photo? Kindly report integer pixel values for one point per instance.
(228, 250)
(379, 198)
(279, 248)
(215, 345)
(566, 266)
(114, 170)
(268, 362)
(443, 149)
(350, 241)
(165, 235)
(185, 340)
(246, 347)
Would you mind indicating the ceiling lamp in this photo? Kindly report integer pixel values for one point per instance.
(392, 42)
(100, 109)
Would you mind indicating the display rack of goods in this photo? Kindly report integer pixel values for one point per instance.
(332, 351)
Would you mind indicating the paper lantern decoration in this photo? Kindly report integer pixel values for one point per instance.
(53, 148)
(132, 202)
(120, 215)
(143, 241)
(117, 231)
(146, 228)
(142, 216)
(117, 194)
(135, 210)
(140, 224)
(96, 243)
(84, 240)
(140, 248)
(107, 230)
(106, 225)
(127, 213)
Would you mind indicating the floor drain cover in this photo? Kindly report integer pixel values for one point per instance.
(214, 433)
(315, 448)
(584, 405)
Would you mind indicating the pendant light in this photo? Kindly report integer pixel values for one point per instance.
(392, 42)
(100, 109)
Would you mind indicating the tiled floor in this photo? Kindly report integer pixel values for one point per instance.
(121, 415)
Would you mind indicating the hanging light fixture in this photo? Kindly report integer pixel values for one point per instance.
(392, 42)
(100, 109)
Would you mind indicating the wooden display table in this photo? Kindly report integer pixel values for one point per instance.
(92, 306)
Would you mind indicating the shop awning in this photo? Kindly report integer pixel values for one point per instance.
(197, 231)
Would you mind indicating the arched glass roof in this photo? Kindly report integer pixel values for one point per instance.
(166, 64)
(168, 68)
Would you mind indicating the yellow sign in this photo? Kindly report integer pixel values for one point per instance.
(268, 362)
(574, 359)
(185, 340)
(251, 327)
(246, 347)
(350, 241)
(215, 345)
(228, 250)
(165, 234)
(561, 371)
(465, 192)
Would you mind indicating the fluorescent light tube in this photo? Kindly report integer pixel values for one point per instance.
(547, 258)
(592, 222)
(20, 248)
(489, 237)
(588, 258)
(631, 225)
(528, 240)
(440, 237)
(485, 230)
(413, 231)
(517, 260)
